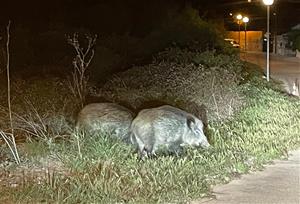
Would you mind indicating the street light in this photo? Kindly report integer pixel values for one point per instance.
(239, 17)
(245, 20)
(268, 3)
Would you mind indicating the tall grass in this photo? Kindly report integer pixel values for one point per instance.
(9, 139)
(109, 171)
(100, 169)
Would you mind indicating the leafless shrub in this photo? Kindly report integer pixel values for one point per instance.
(45, 126)
(81, 62)
(34, 125)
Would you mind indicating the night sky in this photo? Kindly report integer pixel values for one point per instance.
(284, 13)
(38, 13)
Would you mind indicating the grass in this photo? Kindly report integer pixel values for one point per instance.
(109, 171)
(76, 169)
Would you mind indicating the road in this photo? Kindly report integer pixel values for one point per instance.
(285, 69)
(278, 183)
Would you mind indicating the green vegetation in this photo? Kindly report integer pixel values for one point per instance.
(108, 171)
(250, 122)
(119, 45)
(294, 37)
(178, 76)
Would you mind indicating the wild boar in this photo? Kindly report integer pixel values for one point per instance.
(107, 117)
(166, 127)
(196, 109)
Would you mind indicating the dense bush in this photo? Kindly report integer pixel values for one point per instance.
(102, 170)
(109, 172)
(297, 43)
(180, 76)
(294, 37)
(32, 50)
(78, 169)
(187, 29)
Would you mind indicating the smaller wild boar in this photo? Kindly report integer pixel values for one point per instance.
(107, 117)
(166, 127)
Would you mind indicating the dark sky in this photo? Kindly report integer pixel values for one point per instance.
(286, 13)
(39, 12)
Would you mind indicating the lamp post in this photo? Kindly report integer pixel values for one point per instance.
(239, 17)
(245, 20)
(268, 3)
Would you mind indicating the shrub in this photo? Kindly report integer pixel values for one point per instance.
(297, 43)
(181, 27)
(294, 37)
(42, 109)
(187, 28)
(173, 78)
(109, 172)
(78, 84)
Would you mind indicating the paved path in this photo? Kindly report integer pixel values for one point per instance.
(286, 69)
(278, 183)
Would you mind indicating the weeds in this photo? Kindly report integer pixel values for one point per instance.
(181, 76)
(109, 171)
(100, 169)
(78, 83)
(11, 143)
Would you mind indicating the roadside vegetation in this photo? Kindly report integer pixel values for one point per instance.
(263, 128)
(250, 123)
(294, 38)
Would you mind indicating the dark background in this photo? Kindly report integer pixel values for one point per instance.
(136, 16)
(130, 31)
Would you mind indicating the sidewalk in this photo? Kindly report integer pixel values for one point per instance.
(278, 183)
(285, 69)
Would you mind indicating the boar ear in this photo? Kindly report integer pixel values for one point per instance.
(191, 122)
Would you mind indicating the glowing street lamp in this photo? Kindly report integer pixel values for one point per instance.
(239, 17)
(245, 20)
(268, 3)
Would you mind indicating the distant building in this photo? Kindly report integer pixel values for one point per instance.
(254, 39)
(283, 46)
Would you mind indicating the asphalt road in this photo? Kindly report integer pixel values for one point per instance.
(285, 69)
(278, 183)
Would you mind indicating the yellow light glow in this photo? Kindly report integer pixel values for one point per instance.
(239, 17)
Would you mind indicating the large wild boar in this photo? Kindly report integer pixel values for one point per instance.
(107, 117)
(166, 127)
